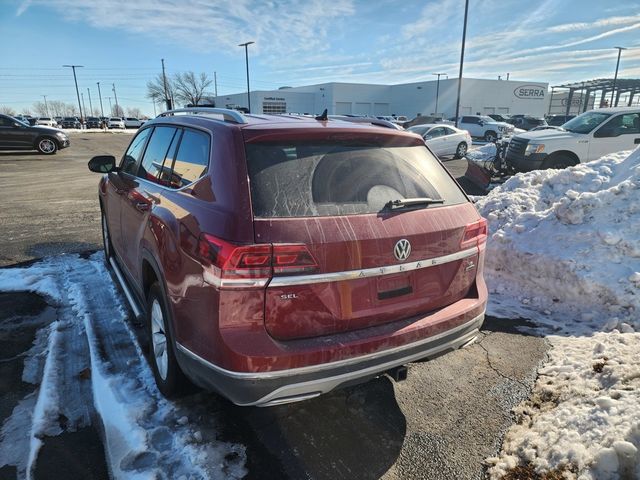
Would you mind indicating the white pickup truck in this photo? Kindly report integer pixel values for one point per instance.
(481, 126)
(587, 137)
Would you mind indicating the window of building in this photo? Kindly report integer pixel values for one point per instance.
(274, 107)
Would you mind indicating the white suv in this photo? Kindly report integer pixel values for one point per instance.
(586, 137)
(46, 121)
(131, 122)
(481, 126)
(115, 122)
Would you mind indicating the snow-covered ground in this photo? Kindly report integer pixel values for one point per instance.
(145, 435)
(564, 252)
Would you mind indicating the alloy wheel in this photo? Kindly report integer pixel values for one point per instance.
(159, 340)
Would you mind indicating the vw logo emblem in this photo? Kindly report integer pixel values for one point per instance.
(402, 249)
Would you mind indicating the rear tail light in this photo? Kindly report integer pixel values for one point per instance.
(246, 266)
(475, 234)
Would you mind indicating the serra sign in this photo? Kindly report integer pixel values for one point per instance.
(532, 92)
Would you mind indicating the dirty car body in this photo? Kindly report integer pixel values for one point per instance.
(294, 255)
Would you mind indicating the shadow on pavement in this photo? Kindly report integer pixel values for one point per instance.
(47, 249)
(355, 432)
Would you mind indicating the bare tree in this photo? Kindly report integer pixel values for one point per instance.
(56, 107)
(7, 110)
(191, 88)
(41, 109)
(156, 91)
(134, 112)
(117, 111)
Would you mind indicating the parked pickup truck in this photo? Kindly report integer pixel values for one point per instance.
(587, 137)
(481, 126)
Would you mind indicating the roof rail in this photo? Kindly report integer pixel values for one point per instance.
(227, 114)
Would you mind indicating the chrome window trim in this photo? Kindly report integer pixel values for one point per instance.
(370, 272)
(329, 365)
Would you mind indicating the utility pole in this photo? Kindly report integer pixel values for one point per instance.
(246, 57)
(100, 95)
(46, 107)
(110, 108)
(464, 37)
(83, 106)
(437, 90)
(507, 76)
(90, 105)
(116, 98)
(73, 67)
(215, 83)
(615, 77)
(166, 93)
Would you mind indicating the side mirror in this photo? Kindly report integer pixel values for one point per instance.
(102, 164)
(17, 125)
(481, 123)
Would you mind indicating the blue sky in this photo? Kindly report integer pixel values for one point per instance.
(300, 42)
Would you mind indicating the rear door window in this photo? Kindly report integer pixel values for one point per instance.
(313, 178)
(154, 157)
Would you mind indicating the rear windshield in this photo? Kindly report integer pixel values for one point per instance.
(312, 179)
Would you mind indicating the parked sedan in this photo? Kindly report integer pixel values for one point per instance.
(46, 121)
(70, 122)
(116, 122)
(92, 122)
(131, 122)
(17, 135)
(444, 140)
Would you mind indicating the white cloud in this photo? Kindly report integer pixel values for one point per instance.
(283, 27)
(604, 22)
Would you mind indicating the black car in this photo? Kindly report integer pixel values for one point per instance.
(559, 120)
(526, 122)
(17, 135)
(93, 122)
(70, 122)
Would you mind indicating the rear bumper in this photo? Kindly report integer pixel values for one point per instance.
(285, 386)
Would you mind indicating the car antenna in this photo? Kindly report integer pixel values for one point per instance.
(323, 117)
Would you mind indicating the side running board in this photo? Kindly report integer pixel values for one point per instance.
(125, 288)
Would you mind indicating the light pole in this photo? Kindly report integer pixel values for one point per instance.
(46, 107)
(464, 37)
(73, 67)
(615, 77)
(83, 105)
(90, 104)
(110, 108)
(246, 56)
(100, 95)
(437, 90)
(116, 98)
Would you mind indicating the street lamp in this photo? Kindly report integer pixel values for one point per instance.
(615, 77)
(437, 89)
(464, 36)
(246, 56)
(100, 95)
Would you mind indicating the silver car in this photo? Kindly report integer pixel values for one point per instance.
(444, 140)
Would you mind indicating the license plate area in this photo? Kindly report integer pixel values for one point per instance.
(393, 286)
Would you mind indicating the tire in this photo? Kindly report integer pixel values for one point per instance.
(490, 136)
(47, 145)
(169, 378)
(106, 239)
(461, 150)
(559, 162)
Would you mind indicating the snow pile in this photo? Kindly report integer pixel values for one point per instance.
(485, 153)
(583, 415)
(146, 436)
(564, 252)
(568, 242)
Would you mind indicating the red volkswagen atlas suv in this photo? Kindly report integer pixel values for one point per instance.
(275, 258)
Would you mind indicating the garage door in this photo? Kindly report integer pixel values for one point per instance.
(343, 108)
(380, 109)
(362, 108)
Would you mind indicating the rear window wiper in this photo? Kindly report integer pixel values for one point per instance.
(411, 203)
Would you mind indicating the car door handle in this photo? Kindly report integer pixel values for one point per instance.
(143, 206)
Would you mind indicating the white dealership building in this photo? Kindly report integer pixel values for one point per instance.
(409, 99)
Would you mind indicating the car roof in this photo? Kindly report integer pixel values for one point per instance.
(270, 122)
(616, 110)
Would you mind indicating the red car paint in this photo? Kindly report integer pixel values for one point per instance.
(159, 232)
